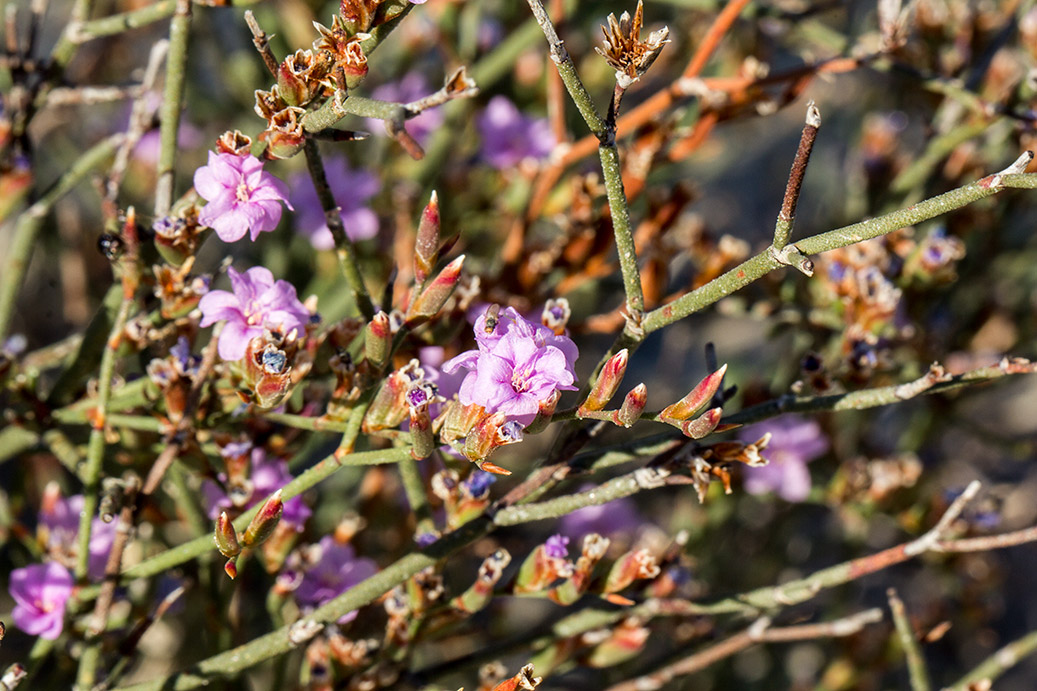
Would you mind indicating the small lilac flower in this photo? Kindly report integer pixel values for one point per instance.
(517, 365)
(268, 476)
(40, 592)
(242, 196)
(508, 136)
(59, 525)
(258, 303)
(619, 517)
(351, 188)
(795, 441)
(557, 546)
(477, 484)
(335, 570)
(410, 88)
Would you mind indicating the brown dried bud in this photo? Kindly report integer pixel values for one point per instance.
(234, 142)
(297, 78)
(624, 50)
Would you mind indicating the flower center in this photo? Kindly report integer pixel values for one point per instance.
(43, 606)
(243, 192)
(519, 378)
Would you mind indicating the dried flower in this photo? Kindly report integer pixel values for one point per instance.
(242, 196)
(352, 189)
(625, 51)
(517, 365)
(40, 592)
(794, 442)
(258, 303)
(509, 137)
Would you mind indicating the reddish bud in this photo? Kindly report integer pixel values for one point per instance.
(702, 425)
(633, 405)
(231, 568)
(426, 245)
(607, 382)
(263, 523)
(696, 398)
(523, 681)
(480, 593)
(294, 78)
(631, 566)
(436, 293)
(226, 537)
(378, 340)
(487, 434)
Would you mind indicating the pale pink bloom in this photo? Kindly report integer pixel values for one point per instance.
(242, 196)
(40, 592)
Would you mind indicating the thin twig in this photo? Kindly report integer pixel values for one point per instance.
(262, 42)
(919, 676)
(172, 100)
(787, 215)
(757, 633)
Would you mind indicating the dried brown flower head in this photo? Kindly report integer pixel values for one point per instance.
(625, 51)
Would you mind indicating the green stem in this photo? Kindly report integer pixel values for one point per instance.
(134, 19)
(998, 663)
(417, 496)
(28, 225)
(343, 245)
(912, 651)
(172, 100)
(92, 479)
(756, 267)
(88, 354)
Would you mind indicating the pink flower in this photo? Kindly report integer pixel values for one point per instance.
(517, 365)
(59, 531)
(352, 189)
(242, 197)
(41, 592)
(795, 441)
(258, 303)
(508, 136)
(333, 570)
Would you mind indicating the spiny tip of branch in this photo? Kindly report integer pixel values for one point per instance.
(813, 115)
(1020, 165)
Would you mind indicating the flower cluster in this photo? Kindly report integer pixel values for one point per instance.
(518, 364)
(257, 304)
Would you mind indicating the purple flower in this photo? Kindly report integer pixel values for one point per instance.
(40, 592)
(268, 476)
(517, 365)
(557, 547)
(795, 441)
(412, 87)
(478, 483)
(351, 189)
(615, 517)
(59, 529)
(257, 303)
(508, 136)
(242, 197)
(335, 570)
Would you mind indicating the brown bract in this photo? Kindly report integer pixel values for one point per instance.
(625, 51)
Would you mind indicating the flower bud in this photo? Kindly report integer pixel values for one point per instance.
(231, 568)
(624, 642)
(263, 523)
(480, 593)
(594, 548)
(556, 315)
(389, 407)
(457, 420)
(426, 245)
(423, 441)
(226, 536)
(607, 382)
(633, 406)
(435, 294)
(267, 372)
(378, 340)
(703, 425)
(487, 434)
(696, 398)
(633, 565)
(546, 410)
(544, 565)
